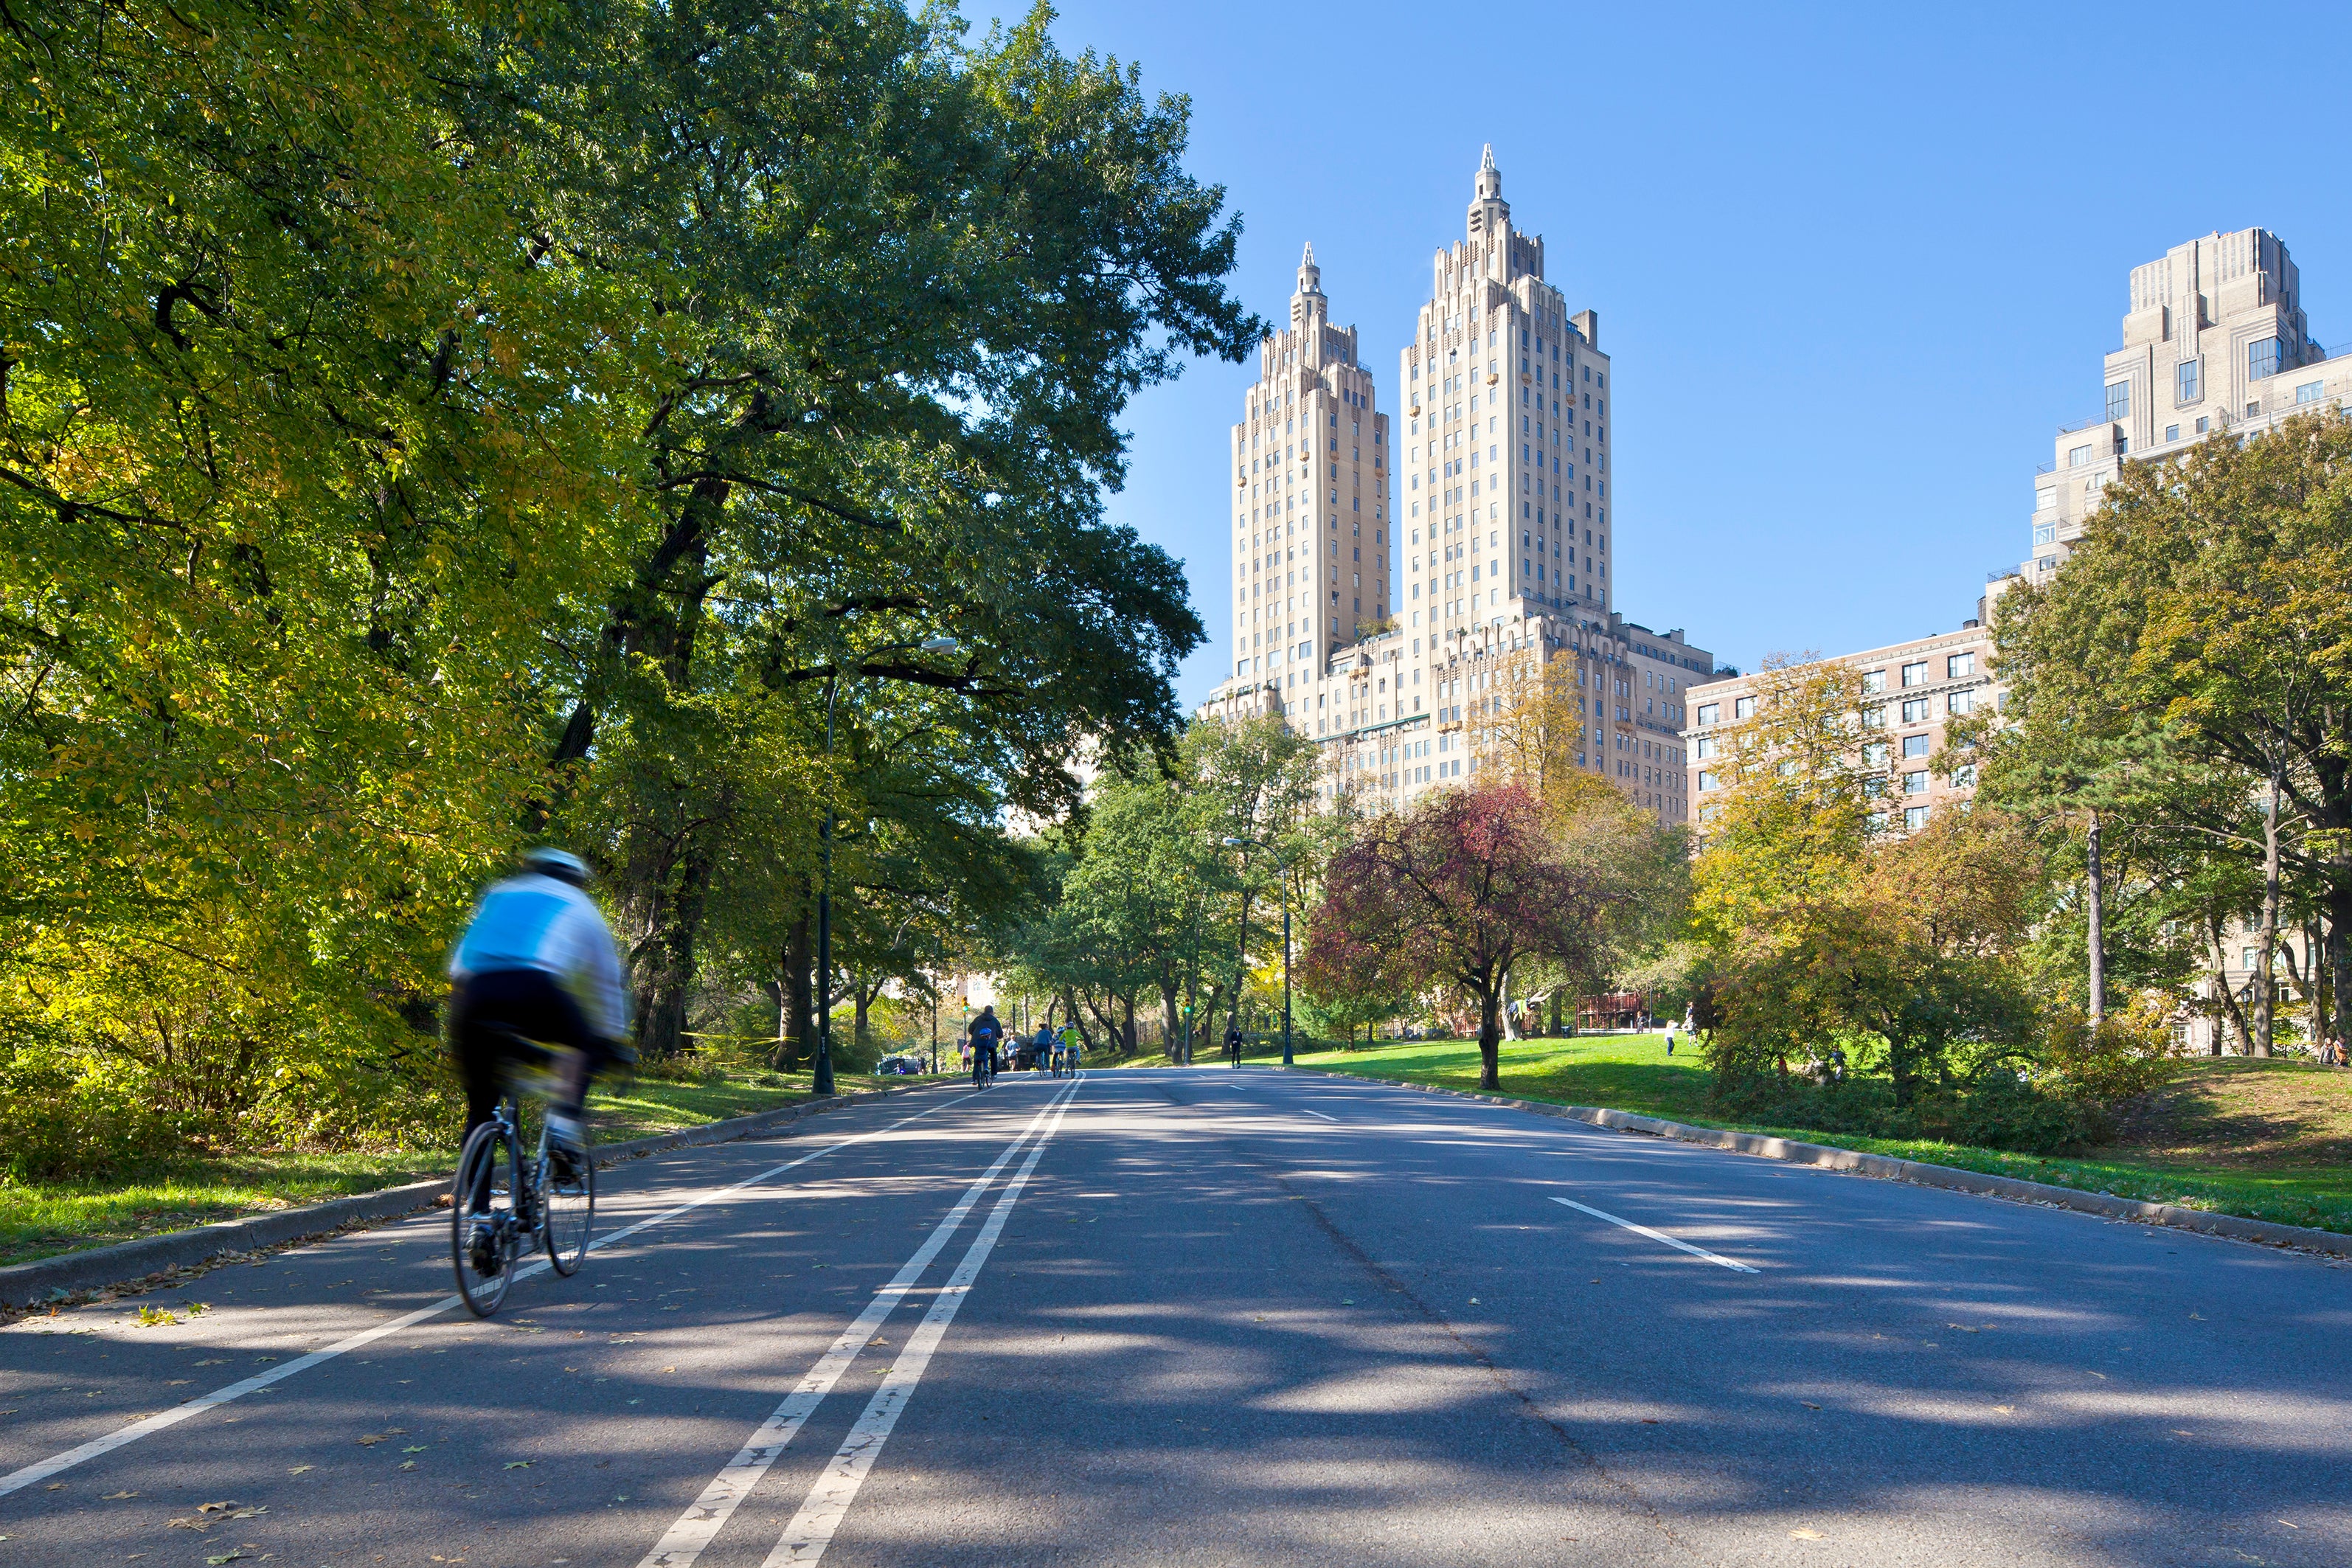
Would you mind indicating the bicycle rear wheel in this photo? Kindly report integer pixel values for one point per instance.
(567, 1208)
(487, 1169)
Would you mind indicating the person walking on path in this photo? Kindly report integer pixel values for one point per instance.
(1234, 1043)
(1670, 1036)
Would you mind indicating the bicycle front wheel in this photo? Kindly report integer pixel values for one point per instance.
(567, 1208)
(483, 1221)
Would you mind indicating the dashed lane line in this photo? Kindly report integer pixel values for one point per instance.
(1656, 1236)
(696, 1528)
(811, 1530)
(16, 1481)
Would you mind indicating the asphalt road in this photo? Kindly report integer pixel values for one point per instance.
(1211, 1317)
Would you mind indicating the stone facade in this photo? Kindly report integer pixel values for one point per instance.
(1380, 632)
(2215, 340)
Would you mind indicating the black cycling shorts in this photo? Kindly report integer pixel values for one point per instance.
(529, 1002)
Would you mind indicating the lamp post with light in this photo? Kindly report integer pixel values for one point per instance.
(1283, 867)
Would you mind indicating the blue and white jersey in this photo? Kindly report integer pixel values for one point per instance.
(532, 922)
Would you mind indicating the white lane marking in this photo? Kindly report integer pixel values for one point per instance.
(16, 1481)
(811, 1530)
(1318, 1114)
(695, 1529)
(1655, 1234)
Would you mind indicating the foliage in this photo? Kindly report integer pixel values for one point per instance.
(427, 429)
(2207, 610)
(1458, 889)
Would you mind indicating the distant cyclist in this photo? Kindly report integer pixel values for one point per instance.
(1070, 1048)
(987, 1034)
(539, 962)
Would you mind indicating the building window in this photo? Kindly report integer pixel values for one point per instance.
(1874, 681)
(2263, 358)
(2046, 534)
(1704, 748)
(1915, 674)
(2184, 382)
(2172, 432)
(1744, 707)
(2307, 393)
(1873, 718)
(2045, 499)
(1915, 818)
(1706, 780)
(2078, 456)
(1874, 786)
(2201, 423)
(1960, 667)
(1959, 702)
(1708, 712)
(1915, 782)
(1874, 754)
(1915, 745)
(1965, 776)
(1877, 822)
(1915, 710)
(2118, 401)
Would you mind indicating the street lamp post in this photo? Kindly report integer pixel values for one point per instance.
(821, 1076)
(1283, 867)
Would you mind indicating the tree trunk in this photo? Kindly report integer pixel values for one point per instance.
(1510, 1024)
(1129, 1032)
(2229, 998)
(2094, 908)
(1490, 1041)
(667, 978)
(2265, 960)
(2339, 949)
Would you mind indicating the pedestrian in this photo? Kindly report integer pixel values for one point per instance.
(1670, 1036)
(1234, 1043)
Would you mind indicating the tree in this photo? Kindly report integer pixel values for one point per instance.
(1537, 725)
(1452, 892)
(2212, 596)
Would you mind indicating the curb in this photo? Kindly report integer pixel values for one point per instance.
(1949, 1178)
(96, 1267)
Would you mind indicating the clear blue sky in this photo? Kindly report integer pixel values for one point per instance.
(1853, 265)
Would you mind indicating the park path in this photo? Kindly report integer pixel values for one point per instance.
(1215, 1316)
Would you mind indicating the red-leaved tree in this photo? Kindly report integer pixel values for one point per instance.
(1452, 892)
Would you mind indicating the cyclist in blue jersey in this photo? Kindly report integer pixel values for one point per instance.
(538, 962)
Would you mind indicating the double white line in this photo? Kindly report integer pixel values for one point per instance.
(811, 1530)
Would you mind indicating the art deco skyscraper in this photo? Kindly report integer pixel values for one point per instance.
(1312, 519)
(1506, 495)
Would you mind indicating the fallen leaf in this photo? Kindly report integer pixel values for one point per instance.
(1809, 1404)
(2100, 1375)
(1806, 1535)
(226, 1557)
(370, 1441)
(215, 1362)
(517, 1464)
(191, 1523)
(111, 1496)
(1649, 1421)
(2006, 1409)
(418, 1449)
(2198, 1316)
(300, 1469)
(669, 1369)
(408, 1464)
(177, 1382)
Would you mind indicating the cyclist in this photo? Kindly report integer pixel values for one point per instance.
(1041, 1048)
(539, 962)
(1070, 1048)
(986, 1033)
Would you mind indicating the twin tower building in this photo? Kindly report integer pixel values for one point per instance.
(1386, 564)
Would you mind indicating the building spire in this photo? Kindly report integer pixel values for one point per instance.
(1310, 277)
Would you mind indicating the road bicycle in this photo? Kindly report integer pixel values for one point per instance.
(504, 1202)
(983, 1066)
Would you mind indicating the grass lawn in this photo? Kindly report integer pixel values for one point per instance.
(2268, 1140)
(37, 1220)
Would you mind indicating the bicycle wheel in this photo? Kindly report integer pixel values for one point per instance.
(486, 1168)
(567, 1209)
